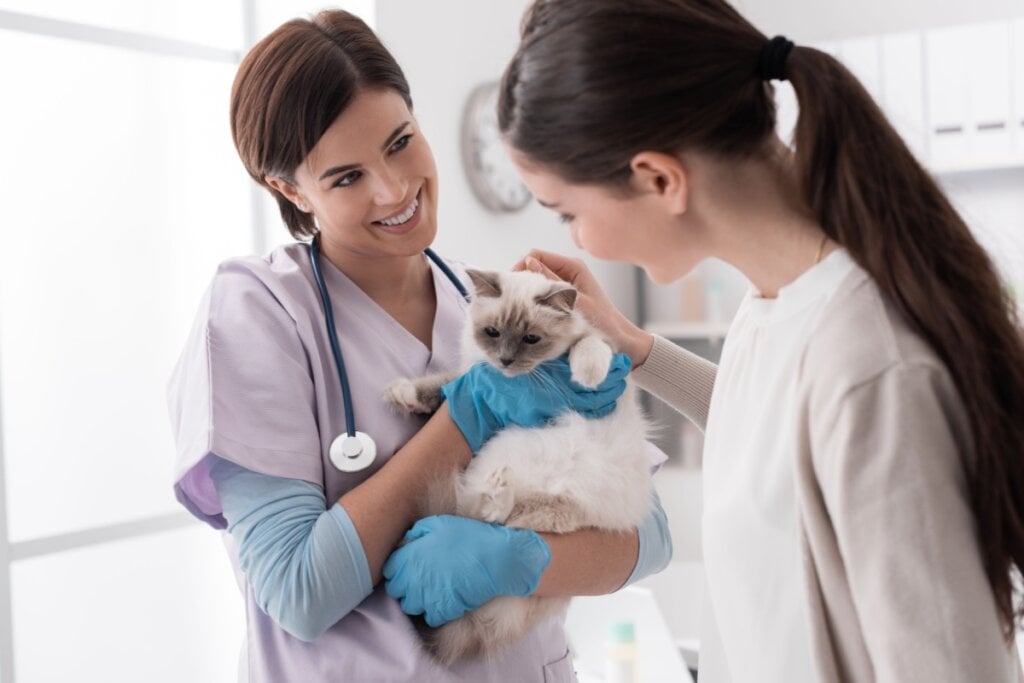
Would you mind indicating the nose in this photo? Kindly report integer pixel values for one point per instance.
(391, 188)
(506, 361)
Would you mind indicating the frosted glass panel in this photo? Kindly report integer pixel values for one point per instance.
(217, 23)
(160, 609)
(125, 193)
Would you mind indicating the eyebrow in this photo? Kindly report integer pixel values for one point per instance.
(335, 170)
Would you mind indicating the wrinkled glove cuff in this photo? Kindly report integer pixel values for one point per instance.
(534, 555)
(469, 414)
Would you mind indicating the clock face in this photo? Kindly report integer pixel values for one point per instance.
(491, 174)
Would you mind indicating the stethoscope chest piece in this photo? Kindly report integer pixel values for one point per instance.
(353, 453)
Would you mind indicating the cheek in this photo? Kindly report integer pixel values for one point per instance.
(601, 237)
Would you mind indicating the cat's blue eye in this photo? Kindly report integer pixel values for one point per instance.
(492, 332)
(531, 339)
(348, 178)
(401, 143)
(566, 217)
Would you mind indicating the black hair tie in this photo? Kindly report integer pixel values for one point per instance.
(771, 64)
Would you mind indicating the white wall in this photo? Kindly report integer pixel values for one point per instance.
(818, 20)
(446, 49)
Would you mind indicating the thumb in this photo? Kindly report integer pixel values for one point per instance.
(535, 266)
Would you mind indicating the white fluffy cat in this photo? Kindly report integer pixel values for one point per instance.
(570, 474)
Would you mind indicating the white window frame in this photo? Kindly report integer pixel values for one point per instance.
(23, 550)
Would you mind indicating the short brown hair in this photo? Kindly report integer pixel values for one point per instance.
(293, 84)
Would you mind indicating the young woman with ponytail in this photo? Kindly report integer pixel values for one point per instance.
(864, 479)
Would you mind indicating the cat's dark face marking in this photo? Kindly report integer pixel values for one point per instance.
(520, 322)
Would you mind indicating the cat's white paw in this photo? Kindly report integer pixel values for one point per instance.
(404, 397)
(589, 360)
(497, 503)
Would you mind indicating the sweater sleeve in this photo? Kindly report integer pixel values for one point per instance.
(887, 460)
(304, 561)
(678, 377)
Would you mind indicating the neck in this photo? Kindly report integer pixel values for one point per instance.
(383, 278)
(764, 230)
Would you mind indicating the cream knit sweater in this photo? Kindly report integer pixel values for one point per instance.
(893, 578)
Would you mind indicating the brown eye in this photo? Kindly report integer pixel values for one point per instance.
(531, 339)
(492, 332)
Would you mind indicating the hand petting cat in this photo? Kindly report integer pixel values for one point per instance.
(592, 302)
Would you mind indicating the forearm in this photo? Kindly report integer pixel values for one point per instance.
(304, 564)
(678, 377)
(384, 506)
(588, 562)
(616, 559)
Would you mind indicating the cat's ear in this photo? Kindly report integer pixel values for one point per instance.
(486, 282)
(561, 298)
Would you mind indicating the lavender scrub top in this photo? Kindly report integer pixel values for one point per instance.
(256, 384)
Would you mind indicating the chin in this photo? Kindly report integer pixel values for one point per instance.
(661, 277)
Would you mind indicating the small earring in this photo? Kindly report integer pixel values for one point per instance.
(303, 208)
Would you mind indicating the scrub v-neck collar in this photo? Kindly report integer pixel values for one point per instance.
(351, 302)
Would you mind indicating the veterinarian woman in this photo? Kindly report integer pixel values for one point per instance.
(322, 118)
(863, 469)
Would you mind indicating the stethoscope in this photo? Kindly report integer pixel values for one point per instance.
(355, 450)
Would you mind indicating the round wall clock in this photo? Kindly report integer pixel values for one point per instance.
(488, 166)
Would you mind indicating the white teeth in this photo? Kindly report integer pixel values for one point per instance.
(405, 215)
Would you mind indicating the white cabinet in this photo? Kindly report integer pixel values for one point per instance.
(955, 95)
(1018, 86)
(902, 66)
(987, 50)
(946, 73)
(862, 57)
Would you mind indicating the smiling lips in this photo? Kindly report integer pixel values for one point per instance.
(402, 218)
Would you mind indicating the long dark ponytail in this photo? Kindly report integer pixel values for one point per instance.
(596, 81)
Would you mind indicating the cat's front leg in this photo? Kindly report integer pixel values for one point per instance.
(494, 500)
(589, 359)
(422, 396)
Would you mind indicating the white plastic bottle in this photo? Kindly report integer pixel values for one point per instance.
(621, 662)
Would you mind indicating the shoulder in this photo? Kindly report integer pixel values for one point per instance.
(864, 358)
(860, 337)
(247, 289)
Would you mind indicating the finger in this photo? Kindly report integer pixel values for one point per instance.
(418, 530)
(446, 611)
(412, 604)
(565, 267)
(393, 566)
(535, 266)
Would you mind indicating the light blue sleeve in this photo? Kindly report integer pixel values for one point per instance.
(655, 544)
(305, 562)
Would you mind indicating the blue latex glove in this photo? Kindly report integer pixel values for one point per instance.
(451, 565)
(483, 401)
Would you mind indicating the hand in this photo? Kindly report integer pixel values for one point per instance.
(452, 565)
(592, 302)
(483, 400)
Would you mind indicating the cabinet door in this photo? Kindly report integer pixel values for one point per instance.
(988, 51)
(946, 82)
(862, 57)
(903, 88)
(1018, 88)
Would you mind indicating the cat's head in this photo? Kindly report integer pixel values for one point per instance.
(522, 319)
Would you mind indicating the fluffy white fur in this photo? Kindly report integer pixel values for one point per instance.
(571, 474)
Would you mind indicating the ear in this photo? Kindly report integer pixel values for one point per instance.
(561, 298)
(486, 282)
(289, 191)
(664, 175)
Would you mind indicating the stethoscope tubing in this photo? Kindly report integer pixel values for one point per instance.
(332, 334)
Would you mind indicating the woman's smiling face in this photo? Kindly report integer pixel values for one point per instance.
(370, 180)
